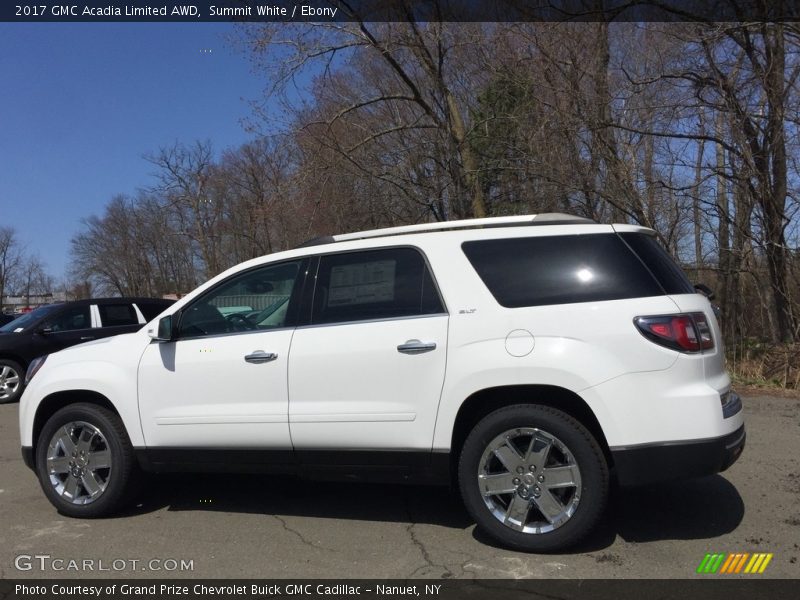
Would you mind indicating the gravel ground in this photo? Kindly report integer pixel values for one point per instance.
(261, 526)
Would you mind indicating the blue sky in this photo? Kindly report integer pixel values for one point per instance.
(80, 104)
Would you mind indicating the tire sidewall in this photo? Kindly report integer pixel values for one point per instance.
(582, 445)
(121, 460)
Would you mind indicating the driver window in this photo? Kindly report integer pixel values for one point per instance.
(255, 300)
(69, 320)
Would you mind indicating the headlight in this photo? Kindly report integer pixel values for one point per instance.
(34, 367)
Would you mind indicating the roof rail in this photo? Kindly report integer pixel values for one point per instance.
(317, 241)
(516, 221)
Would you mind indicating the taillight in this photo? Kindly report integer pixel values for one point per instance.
(684, 333)
(703, 330)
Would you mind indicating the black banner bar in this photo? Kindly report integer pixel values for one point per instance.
(400, 10)
(749, 587)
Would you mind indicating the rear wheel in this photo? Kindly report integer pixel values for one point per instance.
(12, 384)
(533, 478)
(85, 461)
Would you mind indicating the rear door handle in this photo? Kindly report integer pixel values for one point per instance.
(259, 356)
(416, 347)
(87, 337)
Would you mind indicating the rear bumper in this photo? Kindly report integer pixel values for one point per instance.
(653, 463)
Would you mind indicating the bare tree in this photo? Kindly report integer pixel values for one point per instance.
(421, 69)
(11, 260)
(34, 280)
(184, 178)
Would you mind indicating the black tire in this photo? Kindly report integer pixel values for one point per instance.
(19, 373)
(583, 452)
(119, 479)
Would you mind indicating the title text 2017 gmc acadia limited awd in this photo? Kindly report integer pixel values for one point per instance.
(529, 359)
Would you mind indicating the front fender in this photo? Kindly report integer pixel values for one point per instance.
(108, 379)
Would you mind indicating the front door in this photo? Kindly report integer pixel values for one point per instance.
(68, 327)
(222, 382)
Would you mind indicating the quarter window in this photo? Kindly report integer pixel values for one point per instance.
(660, 263)
(151, 310)
(257, 300)
(536, 271)
(376, 284)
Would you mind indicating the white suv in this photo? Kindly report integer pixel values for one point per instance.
(527, 359)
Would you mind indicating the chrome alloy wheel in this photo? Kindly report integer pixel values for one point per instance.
(79, 462)
(9, 382)
(529, 480)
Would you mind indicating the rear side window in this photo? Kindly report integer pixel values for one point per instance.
(376, 284)
(536, 271)
(661, 264)
(116, 315)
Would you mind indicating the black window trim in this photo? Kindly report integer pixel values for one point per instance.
(305, 319)
(294, 301)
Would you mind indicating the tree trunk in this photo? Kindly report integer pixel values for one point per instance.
(723, 240)
(468, 161)
(774, 196)
(696, 214)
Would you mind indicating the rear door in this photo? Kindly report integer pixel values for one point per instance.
(367, 372)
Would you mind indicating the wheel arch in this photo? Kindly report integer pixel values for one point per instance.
(485, 401)
(58, 400)
(16, 358)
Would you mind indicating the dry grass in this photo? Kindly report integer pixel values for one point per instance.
(764, 365)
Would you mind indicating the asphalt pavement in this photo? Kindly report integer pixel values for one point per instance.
(209, 526)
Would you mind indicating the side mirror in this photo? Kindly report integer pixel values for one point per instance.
(164, 331)
(705, 290)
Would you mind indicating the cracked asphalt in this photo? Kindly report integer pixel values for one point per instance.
(281, 527)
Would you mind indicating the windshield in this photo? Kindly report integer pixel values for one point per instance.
(25, 321)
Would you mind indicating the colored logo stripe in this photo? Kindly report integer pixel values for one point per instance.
(727, 564)
(738, 562)
(758, 563)
(710, 563)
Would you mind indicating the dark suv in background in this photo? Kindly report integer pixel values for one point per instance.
(53, 327)
(6, 318)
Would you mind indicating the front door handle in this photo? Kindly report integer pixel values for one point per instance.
(416, 347)
(259, 356)
(87, 337)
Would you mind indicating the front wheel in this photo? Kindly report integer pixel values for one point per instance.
(533, 478)
(85, 461)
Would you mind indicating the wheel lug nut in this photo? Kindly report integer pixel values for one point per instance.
(520, 470)
(516, 481)
(540, 479)
(532, 468)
